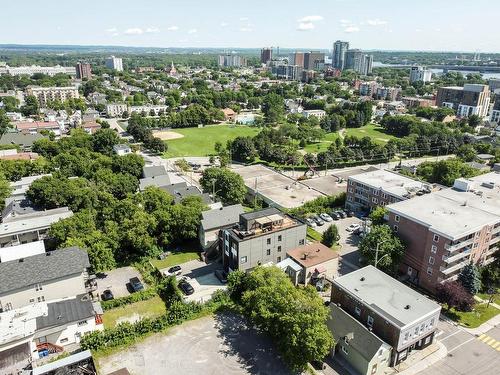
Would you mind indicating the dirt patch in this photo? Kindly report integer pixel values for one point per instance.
(167, 135)
(134, 318)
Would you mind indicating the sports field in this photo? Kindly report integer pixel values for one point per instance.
(375, 132)
(323, 145)
(201, 141)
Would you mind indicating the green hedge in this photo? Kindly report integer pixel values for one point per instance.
(127, 333)
(132, 298)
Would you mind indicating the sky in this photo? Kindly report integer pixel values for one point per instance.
(434, 25)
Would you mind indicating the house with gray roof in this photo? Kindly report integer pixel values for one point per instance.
(212, 221)
(356, 344)
(182, 190)
(154, 170)
(158, 181)
(42, 278)
(24, 141)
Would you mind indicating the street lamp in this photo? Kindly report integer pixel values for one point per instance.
(376, 252)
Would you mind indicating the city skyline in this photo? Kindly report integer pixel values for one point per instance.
(386, 25)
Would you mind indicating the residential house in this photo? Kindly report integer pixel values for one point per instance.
(122, 149)
(24, 141)
(90, 127)
(33, 127)
(318, 113)
(181, 190)
(154, 170)
(356, 344)
(401, 317)
(260, 237)
(10, 253)
(158, 181)
(316, 261)
(213, 221)
(229, 114)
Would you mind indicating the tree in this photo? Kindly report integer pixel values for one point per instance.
(294, 318)
(31, 106)
(5, 190)
(330, 236)
(130, 163)
(378, 214)
(243, 149)
(273, 107)
(454, 295)
(474, 120)
(103, 141)
(390, 248)
(467, 153)
(4, 123)
(227, 185)
(470, 279)
(155, 144)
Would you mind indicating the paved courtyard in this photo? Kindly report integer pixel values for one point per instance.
(117, 281)
(222, 344)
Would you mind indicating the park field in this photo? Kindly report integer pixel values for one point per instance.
(201, 141)
(316, 147)
(374, 131)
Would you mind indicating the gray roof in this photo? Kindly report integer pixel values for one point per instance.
(363, 341)
(261, 213)
(221, 217)
(66, 311)
(36, 220)
(24, 140)
(181, 190)
(386, 295)
(17, 208)
(66, 361)
(154, 170)
(42, 268)
(157, 181)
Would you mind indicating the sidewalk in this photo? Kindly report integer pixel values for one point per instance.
(485, 327)
(426, 358)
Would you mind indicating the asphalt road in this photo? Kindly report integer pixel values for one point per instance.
(467, 354)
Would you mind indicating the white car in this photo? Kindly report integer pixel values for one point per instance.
(353, 227)
(311, 223)
(326, 217)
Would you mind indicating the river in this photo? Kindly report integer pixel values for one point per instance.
(378, 64)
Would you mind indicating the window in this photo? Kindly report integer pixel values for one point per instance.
(369, 321)
(279, 237)
(380, 352)
(384, 195)
(345, 340)
(344, 349)
(268, 252)
(396, 228)
(269, 241)
(357, 310)
(301, 242)
(431, 323)
(82, 323)
(62, 341)
(434, 249)
(407, 334)
(243, 259)
(429, 270)
(396, 218)
(278, 259)
(416, 330)
(32, 300)
(435, 238)
(375, 200)
(41, 299)
(375, 192)
(422, 327)
(431, 260)
(374, 368)
(38, 287)
(279, 248)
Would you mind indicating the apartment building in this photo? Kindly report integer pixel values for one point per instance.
(495, 113)
(448, 229)
(50, 94)
(212, 221)
(259, 238)
(368, 190)
(472, 99)
(34, 127)
(420, 74)
(116, 109)
(115, 63)
(148, 109)
(358, 61)
(266, 55)
(229, 60)
(368, 88)
(314, 60)
(338, 57)
(395, 313)
(83, 70)
(388, 93)
(288, 72)
(296, 58)
(37, 69)
(414, 102)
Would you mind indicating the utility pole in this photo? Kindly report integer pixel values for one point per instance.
(376, 252)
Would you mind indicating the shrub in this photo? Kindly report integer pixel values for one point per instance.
(142, 295)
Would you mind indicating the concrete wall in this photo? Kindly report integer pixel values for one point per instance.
(56, 289)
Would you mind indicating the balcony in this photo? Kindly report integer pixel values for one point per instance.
(459, 245)
(451, 269)
(494, 240)
(463, 254)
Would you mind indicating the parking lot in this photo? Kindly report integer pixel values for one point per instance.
(201, 277)
(117, 281)
(220, 344)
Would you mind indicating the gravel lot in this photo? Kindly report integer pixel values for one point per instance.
(222, 344)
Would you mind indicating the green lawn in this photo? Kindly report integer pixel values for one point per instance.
(201, 141)
(323, 145)
(175, 259)
(375, 132)
(312, 235)
(147, 309)
(474, 318)
(486, 297)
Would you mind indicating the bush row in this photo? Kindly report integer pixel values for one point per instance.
(142, 295)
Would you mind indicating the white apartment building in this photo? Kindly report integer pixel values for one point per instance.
(115, 63)
(148, 108)
(33, 69)
(116, 109)
(420, 74)
(47, 94)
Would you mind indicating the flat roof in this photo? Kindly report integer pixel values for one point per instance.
(387, 296)
(390, 182)
(21, 251)
(30, 222)
(312, 255)
(70, 360)
(453, 213)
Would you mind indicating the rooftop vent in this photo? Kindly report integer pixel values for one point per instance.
(48, 253)
(407, 307)
(21, 260)
(362, 279)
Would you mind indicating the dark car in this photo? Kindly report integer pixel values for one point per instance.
(175, 270)
(342, 214)
(335, 215)
(107, 295)
(221, 275)
(319, 221)
(186, 288)
(136, 284)
(350, 213)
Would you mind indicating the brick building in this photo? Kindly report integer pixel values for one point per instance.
(472, 99)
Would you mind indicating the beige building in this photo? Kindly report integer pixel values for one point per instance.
(50, 94)
(116, 109)
(316, 261)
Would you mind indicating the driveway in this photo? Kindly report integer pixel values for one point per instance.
(117, 281)
(220, 344)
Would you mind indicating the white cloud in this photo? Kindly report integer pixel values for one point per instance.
(192, 31)
(173, 28)
(112, 30)
(224, 24)
(309, 19)
(245, 29)
(134, 31)
(376, 22)
(152, 30)
(351, 29)
(305, 26)
(345, 22)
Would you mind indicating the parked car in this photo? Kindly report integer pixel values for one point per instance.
(311, 222)
(221, 275)
(342, 214)
(136, 284)
(175, 270)
(107, 295)
(353, 227)
(318, 220)
(350, 213)
(186, 288)
(326, 217)
(335, 215)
